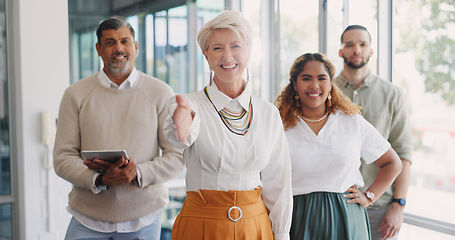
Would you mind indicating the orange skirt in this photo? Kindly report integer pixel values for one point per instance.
(211, 214)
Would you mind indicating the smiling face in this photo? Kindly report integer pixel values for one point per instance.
(118, 50)
(356, 48)
(313, 85)
(228, 56)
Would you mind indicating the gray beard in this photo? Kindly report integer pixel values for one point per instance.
(114, 67)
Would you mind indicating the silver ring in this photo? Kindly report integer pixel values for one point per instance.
(356, 195)
(229, 213)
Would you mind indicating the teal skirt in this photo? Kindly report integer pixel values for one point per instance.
(325, 216)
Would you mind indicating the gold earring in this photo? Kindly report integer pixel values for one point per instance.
(297, 100)
(329, 100)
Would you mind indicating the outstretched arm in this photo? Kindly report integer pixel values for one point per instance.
(183, 118)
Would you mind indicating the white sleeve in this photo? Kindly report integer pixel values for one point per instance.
(374, 145)
(276, 187)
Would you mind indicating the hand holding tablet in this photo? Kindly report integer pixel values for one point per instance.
(107, 155)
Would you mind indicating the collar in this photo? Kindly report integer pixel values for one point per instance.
(128, 83)
(221, 100)
(366, 82)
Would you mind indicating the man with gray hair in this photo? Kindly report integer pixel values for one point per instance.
(117, 108)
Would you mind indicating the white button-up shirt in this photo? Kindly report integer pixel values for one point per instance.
(217, 159)
(330, 161)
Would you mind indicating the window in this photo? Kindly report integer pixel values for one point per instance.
(165, 48)
(206, 10)
(344, 13)
(423, 66)
(6, 199)
(298, 33)
(253, 14)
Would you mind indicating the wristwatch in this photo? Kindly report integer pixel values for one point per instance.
(400, 201)
(99, 182)
(370, 196)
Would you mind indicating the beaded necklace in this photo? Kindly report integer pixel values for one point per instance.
(315, 120)
(230, 118)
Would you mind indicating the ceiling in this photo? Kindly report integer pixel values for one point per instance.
(87, 14)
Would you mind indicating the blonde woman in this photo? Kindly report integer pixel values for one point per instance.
(235, 150)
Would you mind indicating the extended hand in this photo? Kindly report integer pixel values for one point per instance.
(182, 118)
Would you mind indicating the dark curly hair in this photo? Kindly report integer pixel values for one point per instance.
(287, 104)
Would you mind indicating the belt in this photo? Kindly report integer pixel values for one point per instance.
(223, 205)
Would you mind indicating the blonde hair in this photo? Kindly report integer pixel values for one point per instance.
(287, 104)
(227, 19)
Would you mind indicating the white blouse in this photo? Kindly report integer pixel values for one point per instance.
(330, 161)
(217, 159)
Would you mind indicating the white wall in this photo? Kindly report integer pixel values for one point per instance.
(39, 36)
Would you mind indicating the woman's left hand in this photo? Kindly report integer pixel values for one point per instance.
(356, 196)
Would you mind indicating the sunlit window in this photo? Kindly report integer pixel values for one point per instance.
(335, 27)
(253, 14)
(177, 55)
(298, 33)
(359, 12)
(424, 66)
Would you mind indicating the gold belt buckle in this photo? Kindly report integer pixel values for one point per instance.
(229, 213)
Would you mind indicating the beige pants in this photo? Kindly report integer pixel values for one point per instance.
(210, 214)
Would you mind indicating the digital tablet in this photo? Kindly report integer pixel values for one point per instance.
(106, 155)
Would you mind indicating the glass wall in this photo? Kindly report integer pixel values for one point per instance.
(298, 33)
(366, 13)
(165, 43)
(206, 10)
(335, 24)
(423, 65)
(6, 199)
(253, 14)
(6, 230)
(349, 12)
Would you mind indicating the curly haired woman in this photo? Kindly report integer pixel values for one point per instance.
(327, 136)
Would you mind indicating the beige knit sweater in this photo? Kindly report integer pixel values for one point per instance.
(93, 117)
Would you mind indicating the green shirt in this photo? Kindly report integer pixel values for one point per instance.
(384, 106)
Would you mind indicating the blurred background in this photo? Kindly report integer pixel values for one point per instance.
(47, 45)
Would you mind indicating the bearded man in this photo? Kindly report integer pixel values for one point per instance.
(384, 106)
